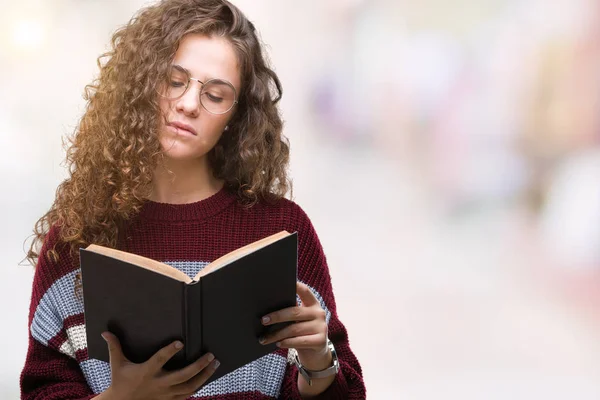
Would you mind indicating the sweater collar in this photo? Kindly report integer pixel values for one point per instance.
(198, 210)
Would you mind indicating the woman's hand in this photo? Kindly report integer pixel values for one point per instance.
(148, 380)
(308, 333)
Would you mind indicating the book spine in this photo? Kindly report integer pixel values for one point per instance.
(201, 315)
(185, 321)
(193, 318)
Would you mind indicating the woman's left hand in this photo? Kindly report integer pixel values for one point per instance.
(308, 333)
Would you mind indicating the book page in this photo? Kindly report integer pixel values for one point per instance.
(239, 253)
(142, 262)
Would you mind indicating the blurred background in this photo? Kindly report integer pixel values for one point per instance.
(448, 153)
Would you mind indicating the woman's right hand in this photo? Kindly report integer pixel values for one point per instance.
(148, 380)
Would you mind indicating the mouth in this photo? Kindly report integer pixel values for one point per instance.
(180, 126)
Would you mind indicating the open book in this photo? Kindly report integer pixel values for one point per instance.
(148, 304)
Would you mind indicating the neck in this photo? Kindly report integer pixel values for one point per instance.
(187, 182)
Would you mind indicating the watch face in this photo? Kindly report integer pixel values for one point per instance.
(336, 364)
(310, 375)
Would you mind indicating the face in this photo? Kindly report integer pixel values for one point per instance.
(191, 131)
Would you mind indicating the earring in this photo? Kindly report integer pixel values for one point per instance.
(226, 127)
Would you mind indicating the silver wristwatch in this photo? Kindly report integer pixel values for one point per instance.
(310, 375)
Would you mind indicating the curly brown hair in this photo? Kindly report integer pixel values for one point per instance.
(113, 153)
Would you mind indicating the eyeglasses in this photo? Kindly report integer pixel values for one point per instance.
(217, 96)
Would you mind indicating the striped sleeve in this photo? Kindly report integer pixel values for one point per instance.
(314, 272)
(56, 333)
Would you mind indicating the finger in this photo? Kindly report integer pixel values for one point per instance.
(293, 314)
(306, 295)
(191, 386)
(115, 353)
(293, 330)
(160, 358)
(187, 373)
(316, 342)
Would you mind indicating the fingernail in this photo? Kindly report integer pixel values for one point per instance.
(266, 320)
(217, 363)
(178, 345)
(104, 337)
(211, 357)
(261, 339)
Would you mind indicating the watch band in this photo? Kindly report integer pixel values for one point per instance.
(309, 375)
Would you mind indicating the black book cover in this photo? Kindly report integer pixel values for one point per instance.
(219, 313)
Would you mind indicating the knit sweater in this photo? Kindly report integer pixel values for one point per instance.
(187, 237)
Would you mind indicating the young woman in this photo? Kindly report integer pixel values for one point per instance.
(180, 157)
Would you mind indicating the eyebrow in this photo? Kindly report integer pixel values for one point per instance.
(206, 79)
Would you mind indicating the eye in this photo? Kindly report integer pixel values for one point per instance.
(214, 98)
(177, 84)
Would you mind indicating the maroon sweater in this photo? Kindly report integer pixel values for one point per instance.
(188, 237)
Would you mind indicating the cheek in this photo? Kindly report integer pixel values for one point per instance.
(162, 116)
(211, 126)
(164, 106)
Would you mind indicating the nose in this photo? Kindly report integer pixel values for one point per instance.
(189, 103)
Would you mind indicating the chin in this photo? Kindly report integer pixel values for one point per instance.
(183, 155)
(178, 151)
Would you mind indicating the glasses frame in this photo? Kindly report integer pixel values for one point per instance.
(202, 85)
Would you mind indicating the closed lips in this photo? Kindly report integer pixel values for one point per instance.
(183, 126)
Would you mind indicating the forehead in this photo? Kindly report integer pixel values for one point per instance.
(208, 57)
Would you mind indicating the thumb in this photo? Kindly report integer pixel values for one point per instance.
(115, 352)
(306, 295)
